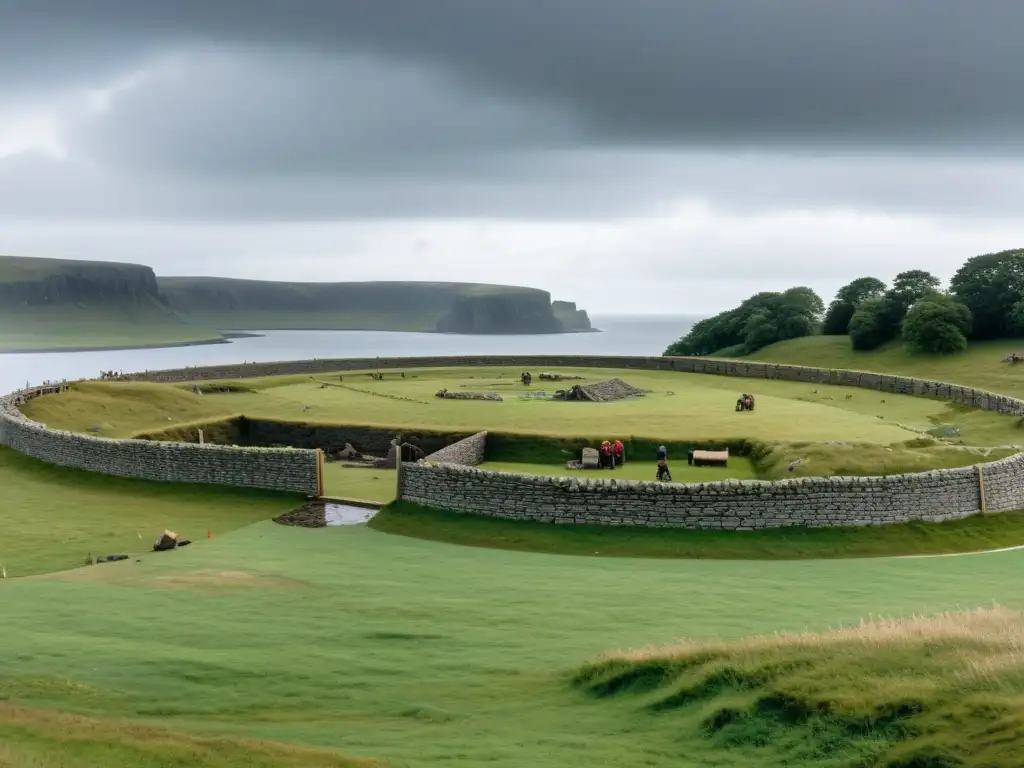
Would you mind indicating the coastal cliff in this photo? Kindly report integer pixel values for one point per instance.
(55, 303)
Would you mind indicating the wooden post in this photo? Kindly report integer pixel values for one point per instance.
(398, 468)
(981, 489)
(319, 473)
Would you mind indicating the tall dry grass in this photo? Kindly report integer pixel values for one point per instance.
(996, 628)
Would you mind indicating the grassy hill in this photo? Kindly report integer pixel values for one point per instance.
(908, 693)
(828, 433)
(980, 366)
(370, 644)
(51, 303)
(60, 304)
(233, 304)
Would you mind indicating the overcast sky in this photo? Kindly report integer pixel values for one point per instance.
(632, 155)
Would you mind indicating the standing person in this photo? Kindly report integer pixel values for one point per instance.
(618, 453)
(606, 455)
(663, 471)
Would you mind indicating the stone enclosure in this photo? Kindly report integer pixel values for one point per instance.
(741, 505)
(449, 477)
(279, 469)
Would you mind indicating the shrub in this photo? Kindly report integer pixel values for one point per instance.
(871, 325)
(937, 324)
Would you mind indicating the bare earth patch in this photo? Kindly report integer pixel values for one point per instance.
(213, 578)
(129, 576)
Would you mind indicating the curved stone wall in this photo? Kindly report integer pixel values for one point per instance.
(932, 496)
(279, 469)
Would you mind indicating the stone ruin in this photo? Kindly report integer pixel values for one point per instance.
(547, 376)
(353, 457)
(444, 394)
(589, 459)
(600, 392)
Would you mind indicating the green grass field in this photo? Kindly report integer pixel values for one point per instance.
(979, 366)
(359, 483)
(429, 638)
(679, 406)
(101, 327)
(816, 430)
(54, 518)
(417, 653)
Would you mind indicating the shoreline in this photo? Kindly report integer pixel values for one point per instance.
(229, 336)
(226, 338)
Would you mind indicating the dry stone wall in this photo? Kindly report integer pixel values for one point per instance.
(282, 469)
(466, 453)
(741, 505)
(451, 480)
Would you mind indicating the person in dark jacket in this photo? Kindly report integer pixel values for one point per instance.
(663, 471)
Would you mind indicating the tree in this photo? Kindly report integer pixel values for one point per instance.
(990, 285)
(937, 324)
(1016, 319)
(840, 311)
(763, 319)
(871, 325)
(911, 286)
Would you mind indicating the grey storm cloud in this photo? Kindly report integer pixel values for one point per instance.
(312, 109)
(217, 112)
(874, 72)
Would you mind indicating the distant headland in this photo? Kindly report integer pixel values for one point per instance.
(56, 304)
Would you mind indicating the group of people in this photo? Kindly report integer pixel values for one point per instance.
(613, 454)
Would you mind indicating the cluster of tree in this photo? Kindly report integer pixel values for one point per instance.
(985, 300)
(763, 319)
(872, 314)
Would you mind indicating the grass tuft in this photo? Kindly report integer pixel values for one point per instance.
(920, 691)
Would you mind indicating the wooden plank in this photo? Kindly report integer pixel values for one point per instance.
(319, 472)
(981, 489)
(398, 469)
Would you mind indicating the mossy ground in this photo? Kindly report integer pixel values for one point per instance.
(979, 366)
(411, 651)
(52, 518)
(938, 692)
(970, 535)
(101, 327)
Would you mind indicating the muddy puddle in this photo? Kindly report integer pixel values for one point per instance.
(319, 514)
(346, 514)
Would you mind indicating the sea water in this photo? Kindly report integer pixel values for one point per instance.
(622, 335)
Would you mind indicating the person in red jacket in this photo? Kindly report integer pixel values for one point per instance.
(606, 455)
(618, 452)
